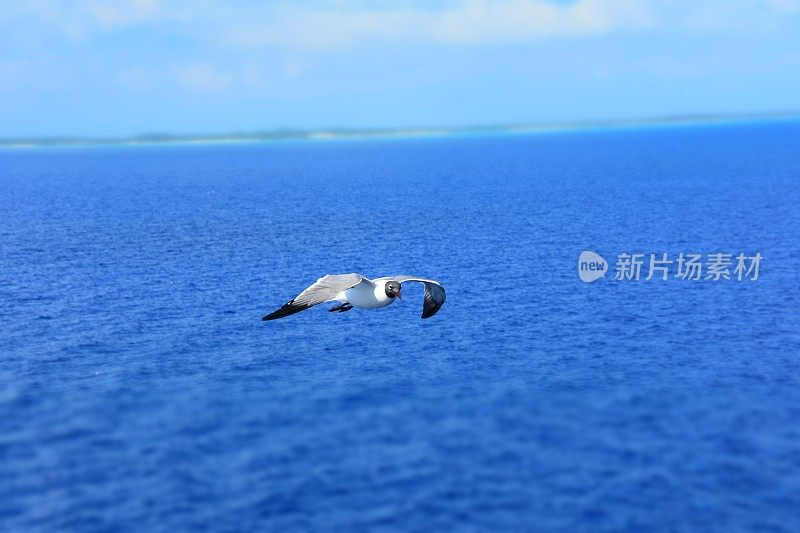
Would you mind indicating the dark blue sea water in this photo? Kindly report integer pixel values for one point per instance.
(140, 390)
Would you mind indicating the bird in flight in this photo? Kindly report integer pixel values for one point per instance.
(354, 290)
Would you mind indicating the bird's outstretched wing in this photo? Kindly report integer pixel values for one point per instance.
(324, 289)
(434, 294)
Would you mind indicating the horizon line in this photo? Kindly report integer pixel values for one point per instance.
(345, 133)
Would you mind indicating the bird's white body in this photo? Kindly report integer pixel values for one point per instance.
(366, 296)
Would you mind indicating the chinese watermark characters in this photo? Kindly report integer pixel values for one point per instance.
(716, 266)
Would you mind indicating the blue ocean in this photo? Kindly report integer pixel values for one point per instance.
(141, 391)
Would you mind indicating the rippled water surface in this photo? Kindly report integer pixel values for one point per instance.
(140, 390)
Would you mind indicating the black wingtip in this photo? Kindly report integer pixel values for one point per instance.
(432, 303)
(427, 313)
(430, 308)
(287, 309)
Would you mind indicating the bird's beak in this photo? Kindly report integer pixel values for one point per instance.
(399, 295)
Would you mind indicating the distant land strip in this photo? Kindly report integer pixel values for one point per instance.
(355, 133)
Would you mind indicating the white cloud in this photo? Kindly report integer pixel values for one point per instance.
(470, 22)
(320, 25)
(216, 45)
(728, 17)
(479, 21)
(125, 13)
(334, 24)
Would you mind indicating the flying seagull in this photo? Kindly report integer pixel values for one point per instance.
(355, 290)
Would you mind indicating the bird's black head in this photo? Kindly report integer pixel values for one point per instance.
(392, 289)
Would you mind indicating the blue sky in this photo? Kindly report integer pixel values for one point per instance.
(86, 67)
